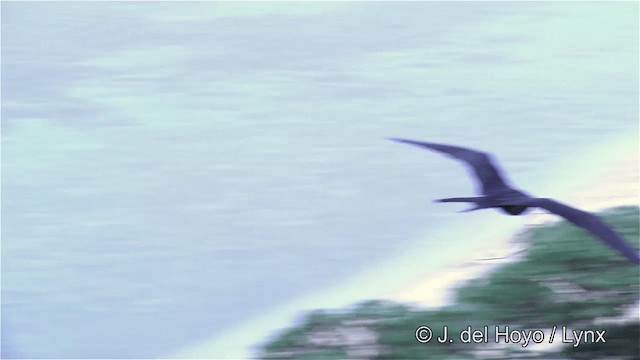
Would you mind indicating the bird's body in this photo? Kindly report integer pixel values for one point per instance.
(498, 193)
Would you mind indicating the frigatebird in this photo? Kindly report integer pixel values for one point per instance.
(498, 193)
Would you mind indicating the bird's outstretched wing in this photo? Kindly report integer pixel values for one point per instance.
(491, 179)
(590, 223)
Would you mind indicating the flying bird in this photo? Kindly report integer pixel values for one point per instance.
(498, 193)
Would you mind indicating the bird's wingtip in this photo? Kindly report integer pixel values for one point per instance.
(396, 139)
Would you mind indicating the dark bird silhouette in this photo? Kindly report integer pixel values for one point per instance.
(498, 193)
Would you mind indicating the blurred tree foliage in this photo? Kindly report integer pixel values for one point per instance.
(566, 278)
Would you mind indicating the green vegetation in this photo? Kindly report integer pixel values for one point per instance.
(566, 278)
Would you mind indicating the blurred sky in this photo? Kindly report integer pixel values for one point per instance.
(171, 170)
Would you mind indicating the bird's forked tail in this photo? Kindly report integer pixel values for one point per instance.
(479, 204)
